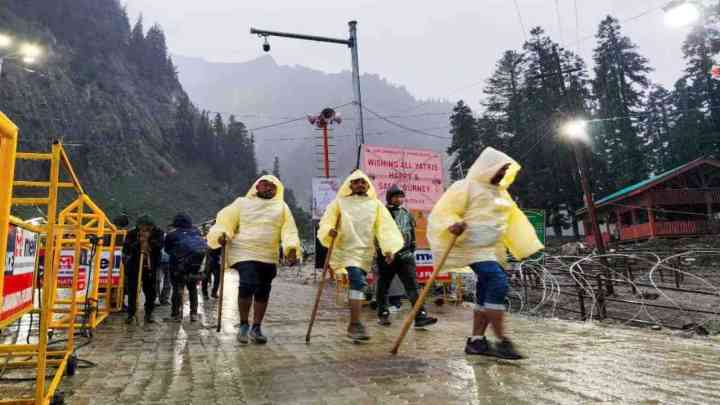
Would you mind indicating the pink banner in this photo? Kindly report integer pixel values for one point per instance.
(417, 172)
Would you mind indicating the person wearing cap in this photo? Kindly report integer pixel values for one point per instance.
(145, 239)
(404, 264)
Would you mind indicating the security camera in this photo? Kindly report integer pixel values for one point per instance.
(266, 46)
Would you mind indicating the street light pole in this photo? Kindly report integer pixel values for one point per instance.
(351, 43)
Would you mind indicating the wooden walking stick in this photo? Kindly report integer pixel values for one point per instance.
(326, 269)
(223, 263)
(138, 289)
(421, 299)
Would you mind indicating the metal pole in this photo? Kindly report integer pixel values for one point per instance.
(359, 128)
(2, 59)
(326, 153)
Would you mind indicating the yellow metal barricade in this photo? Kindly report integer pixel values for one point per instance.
(75, 228)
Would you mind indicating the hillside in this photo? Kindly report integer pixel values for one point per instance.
(112, 95)
(260, 93)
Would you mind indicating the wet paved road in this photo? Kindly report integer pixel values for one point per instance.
(569, 363)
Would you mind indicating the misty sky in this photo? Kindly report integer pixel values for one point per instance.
(437, 49)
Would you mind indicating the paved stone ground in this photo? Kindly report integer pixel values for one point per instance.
(569, 363)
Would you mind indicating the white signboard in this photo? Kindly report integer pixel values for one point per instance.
(324, 191)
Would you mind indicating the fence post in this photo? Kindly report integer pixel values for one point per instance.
(602, 313)
(581, 300)
(629, 274)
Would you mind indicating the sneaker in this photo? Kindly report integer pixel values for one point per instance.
(478, 346)
(149, 319)
(215, 294)
(506, 350)
(357, 331)
(205, 295)
(193, 317)
(242, 336)
(422, 320)
(164, 303)
(257, 336)
(384, 318)
(130, 319)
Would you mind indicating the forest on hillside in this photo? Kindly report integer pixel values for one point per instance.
(636, 128)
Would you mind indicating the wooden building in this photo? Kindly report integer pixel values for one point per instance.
(684, 201)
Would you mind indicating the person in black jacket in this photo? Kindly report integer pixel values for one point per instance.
(183, 272)
(404, 264)
(212, 270)
(148, 239)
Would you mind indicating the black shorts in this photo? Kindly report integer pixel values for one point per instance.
(256, 273)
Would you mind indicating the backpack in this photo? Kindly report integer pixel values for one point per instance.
(190, 250)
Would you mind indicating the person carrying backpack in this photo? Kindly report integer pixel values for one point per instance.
(187, 249)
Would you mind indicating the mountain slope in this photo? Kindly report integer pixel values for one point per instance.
(261, 93)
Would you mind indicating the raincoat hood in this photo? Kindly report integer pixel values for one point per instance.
(487, 165)
(392, 192)
(182, 220)
(279, 195)
(346, 191)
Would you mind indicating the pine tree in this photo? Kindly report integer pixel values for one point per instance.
(158, 65)
(619, 84)
(137, 47)
(185, 126)
(657, 122)
(464, 140)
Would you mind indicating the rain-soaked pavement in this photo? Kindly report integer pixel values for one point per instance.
(569, 363)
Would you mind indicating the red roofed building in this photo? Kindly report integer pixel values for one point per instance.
(684, 201)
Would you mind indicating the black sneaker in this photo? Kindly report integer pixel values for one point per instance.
(384, 318)
(130, 319)
(257, 336)
(505, 349)
(422, 320)
(478, 346)
(193, 317)
(149, 319)
(357, 331)
(215, 294)
(206, 296)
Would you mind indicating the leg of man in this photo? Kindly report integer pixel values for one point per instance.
(248, 272)
(358, 281)
(406, 273)
(166, 285)
(150, 293)
(386, 273)
(216, 272)
(191, 284)
(178, 282)
(477, 343)
(131, 287)
(266, 274)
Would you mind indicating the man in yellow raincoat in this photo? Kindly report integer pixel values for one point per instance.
(487, 223)
(255, 227)
(357, 219)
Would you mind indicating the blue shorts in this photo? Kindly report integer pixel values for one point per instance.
(357, 278)
(491, 287)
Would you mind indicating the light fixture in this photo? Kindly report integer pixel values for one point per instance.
(31, 51)
(5, 41)
(576, 130)
(681, 13)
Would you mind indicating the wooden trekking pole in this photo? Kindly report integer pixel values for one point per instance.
(139, 281)
(421, 299)
(326, 269)
(223, 263)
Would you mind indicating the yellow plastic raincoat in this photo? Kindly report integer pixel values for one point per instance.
(495, 223)
(255, 227)
(363, 220)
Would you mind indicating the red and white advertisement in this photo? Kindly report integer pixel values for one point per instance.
(105, 264)
(17, 291)
(418, 172)
(67, 264)
(424, 267)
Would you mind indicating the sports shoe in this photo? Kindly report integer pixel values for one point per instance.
(357, 331)
(384, 318)
(257, 336)
(242, 336)
(478, 346)
(215, 294)
(206, 296)
(422, 320)
(193, 317)
(130, 319)
(506, 350)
